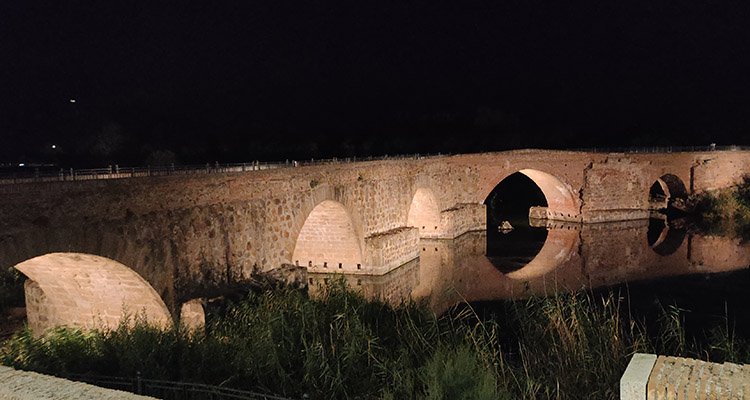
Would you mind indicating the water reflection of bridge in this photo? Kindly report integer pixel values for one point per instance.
(573, 257)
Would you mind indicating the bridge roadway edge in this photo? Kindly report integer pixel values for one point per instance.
(186, 233)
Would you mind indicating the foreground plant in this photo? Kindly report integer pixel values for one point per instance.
(727, 211)
(343, 346)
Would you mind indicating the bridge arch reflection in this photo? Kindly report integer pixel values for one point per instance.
(575, 257)
(559, 246)
(663, 238)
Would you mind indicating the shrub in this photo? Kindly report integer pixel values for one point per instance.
(726, 212)
(567, 346)
(457, 373)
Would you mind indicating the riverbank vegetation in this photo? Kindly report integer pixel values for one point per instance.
(11, 302)
(341, 345)
(11, 289)
(726, 211)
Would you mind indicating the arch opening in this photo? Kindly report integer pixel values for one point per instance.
(522, 199)
(512, 198)
(667, 194)
(328, 240)
(508, 206)
(88, 292)
(424, 213)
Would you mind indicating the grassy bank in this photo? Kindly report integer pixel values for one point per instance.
(343, 346)
(726, 211)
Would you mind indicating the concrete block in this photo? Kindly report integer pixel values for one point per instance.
(634, 380)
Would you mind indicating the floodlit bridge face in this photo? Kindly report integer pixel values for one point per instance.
(328, 238)
(182, 234)
(85, 291)
(424, 213)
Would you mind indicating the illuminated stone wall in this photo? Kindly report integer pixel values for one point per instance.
(328, 240)
(391, 249)
(424, 213)
(185, 233)
(85, 291)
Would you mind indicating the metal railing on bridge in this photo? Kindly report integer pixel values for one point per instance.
(27, 175)
(662, 149)
(116, 172)
(169, 390)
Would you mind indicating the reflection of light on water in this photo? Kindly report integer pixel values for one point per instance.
(663, 238)
(570, 259)
(393, 287)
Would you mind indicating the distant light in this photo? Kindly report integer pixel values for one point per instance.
(21, 164)
(54, 146)
(72, 100)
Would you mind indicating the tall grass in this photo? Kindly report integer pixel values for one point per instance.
(345, 347)
(11, 289)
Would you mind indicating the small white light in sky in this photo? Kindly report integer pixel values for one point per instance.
(54, 146)
(21, 164)
(72, 100)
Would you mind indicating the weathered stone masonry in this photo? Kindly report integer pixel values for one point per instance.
(182, 233)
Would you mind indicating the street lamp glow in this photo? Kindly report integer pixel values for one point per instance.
(54, 146)
(72, 100)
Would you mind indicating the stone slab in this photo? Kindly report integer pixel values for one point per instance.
(23, 385)
(634, 380)
(656, 378)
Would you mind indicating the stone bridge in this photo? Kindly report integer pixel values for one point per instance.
(183, 234)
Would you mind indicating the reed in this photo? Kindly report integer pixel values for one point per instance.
(11, 289)
(726, 212)
(342, 346)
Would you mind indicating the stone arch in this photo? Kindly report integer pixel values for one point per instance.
(562, 203)
(328, 239)
(139, 244)
(667, 189)
(424, 213)
(87, 291)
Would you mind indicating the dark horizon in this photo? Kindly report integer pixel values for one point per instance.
(239, 82)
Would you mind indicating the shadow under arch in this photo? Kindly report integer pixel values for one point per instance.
(665, 191)
(87, 291)
(424, 213)
(526, 250)
(328, 239)
(559, 196)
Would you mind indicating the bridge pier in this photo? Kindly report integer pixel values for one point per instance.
(461, 218)
(389, 250)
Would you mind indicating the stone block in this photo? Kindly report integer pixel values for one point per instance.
(635, 379)
(192, 315)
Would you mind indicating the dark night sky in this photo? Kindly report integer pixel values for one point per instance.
(196, 82)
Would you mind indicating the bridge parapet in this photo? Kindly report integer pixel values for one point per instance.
(202, 229)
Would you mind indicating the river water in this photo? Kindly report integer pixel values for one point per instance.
(650, 262)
